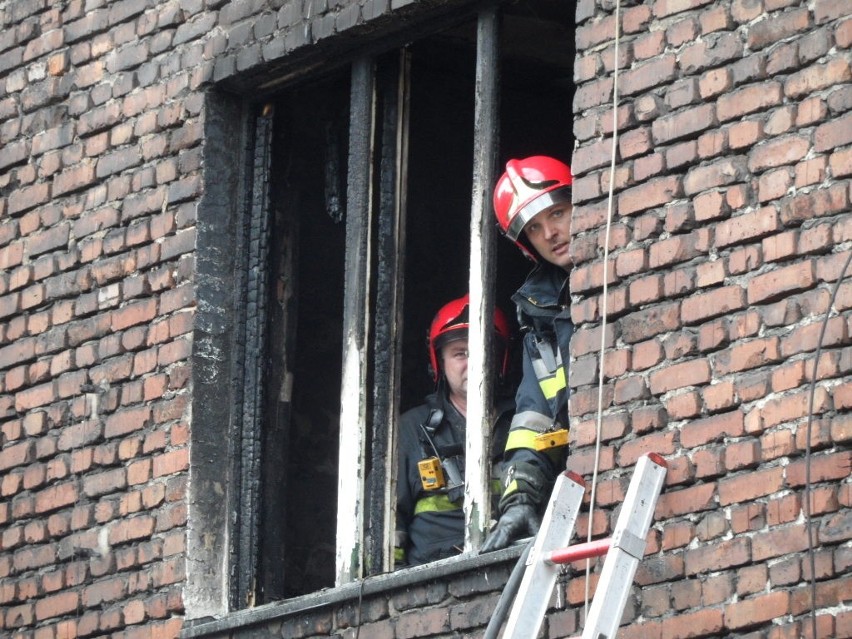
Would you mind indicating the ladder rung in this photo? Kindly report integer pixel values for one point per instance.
(577, 552)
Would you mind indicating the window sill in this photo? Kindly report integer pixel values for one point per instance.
(279, 610)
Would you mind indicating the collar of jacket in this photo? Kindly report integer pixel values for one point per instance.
(544, 291)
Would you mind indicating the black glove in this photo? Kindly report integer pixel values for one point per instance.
(519, 520)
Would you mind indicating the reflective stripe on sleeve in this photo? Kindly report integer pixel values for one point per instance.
(552, 385)
(434, 504)
(521, 438)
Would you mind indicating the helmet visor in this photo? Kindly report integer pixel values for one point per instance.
(536, 206)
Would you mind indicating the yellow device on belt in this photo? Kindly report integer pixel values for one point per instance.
(551, 439)
(431, 473)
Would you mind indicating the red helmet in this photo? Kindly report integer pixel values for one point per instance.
(526, 188)
(451, 323)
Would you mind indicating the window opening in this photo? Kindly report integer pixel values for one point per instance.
(303, 352)
(371, 190)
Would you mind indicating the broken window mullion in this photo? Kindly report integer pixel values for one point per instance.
(253, 374)
(356, 317)
(393, 83)
(483, 265)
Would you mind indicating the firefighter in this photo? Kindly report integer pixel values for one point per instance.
(430, 481)
(532, 201)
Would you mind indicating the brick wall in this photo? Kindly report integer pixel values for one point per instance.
(732, 224)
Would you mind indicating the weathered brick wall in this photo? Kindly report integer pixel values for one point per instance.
(732, 223)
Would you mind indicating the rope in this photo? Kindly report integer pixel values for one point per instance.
(807, 492)
(598, 426)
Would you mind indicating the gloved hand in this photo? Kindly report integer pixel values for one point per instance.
(518, 521)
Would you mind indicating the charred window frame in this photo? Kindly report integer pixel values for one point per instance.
(237, 547)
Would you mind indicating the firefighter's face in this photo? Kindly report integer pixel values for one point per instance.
(454, 365)
(550, 234)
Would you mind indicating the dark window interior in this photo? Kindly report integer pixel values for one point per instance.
(297, 553)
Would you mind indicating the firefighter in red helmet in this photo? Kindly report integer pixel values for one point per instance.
(532, 201)
(430, 479)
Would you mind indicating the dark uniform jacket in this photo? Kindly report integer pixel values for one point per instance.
(429, 525)
(542, 398)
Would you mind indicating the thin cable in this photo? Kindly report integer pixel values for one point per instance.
(807, 500)
(598, 426)
(360, 608)
(507, 597)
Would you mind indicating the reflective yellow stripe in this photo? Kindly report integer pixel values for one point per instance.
(436, 503)
(551, 386)
(512, 487)
(521, 438)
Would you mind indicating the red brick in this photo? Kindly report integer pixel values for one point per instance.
(788, 376)
(840, 163)
(583, 278)
(616, 363)
(127, 421)
(134, 529)
(763, 608)
(750, 486)
(777, 27)
(813, 171)
(747, 227)
(645, 289)
(630, 262)
(679, 248)
(692, 373)
(813, 79)
(55, 497)
(683, 123)
(171, 462)
(712, 429)
(815, 239)
(750, 99)
(651, 194)
(823, 468)
(646, 354)
(740, 455)
(583, 461)
(774, 184)
(746, 355)
(57, 605)
(805, 338)
(692, 499)
(704, 306)
(643, 324)
(104, 591)
(718, 556)
(791, 407)
(778, 152)
(106, 482)
(806, 206)
(25, 198)
(708, 463)
(78, 177)
(781, 246)
(683, 406)
(777, 444)
(17, 455)
(781, 282)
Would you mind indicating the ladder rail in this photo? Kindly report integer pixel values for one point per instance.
(623, 552)
(627, 549)
(557, 526)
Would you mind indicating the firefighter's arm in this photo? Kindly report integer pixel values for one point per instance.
(530, 464)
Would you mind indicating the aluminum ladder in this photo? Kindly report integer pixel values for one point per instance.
(623, 552)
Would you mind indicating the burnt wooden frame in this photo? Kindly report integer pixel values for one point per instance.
(359, 555)
(224, 501)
